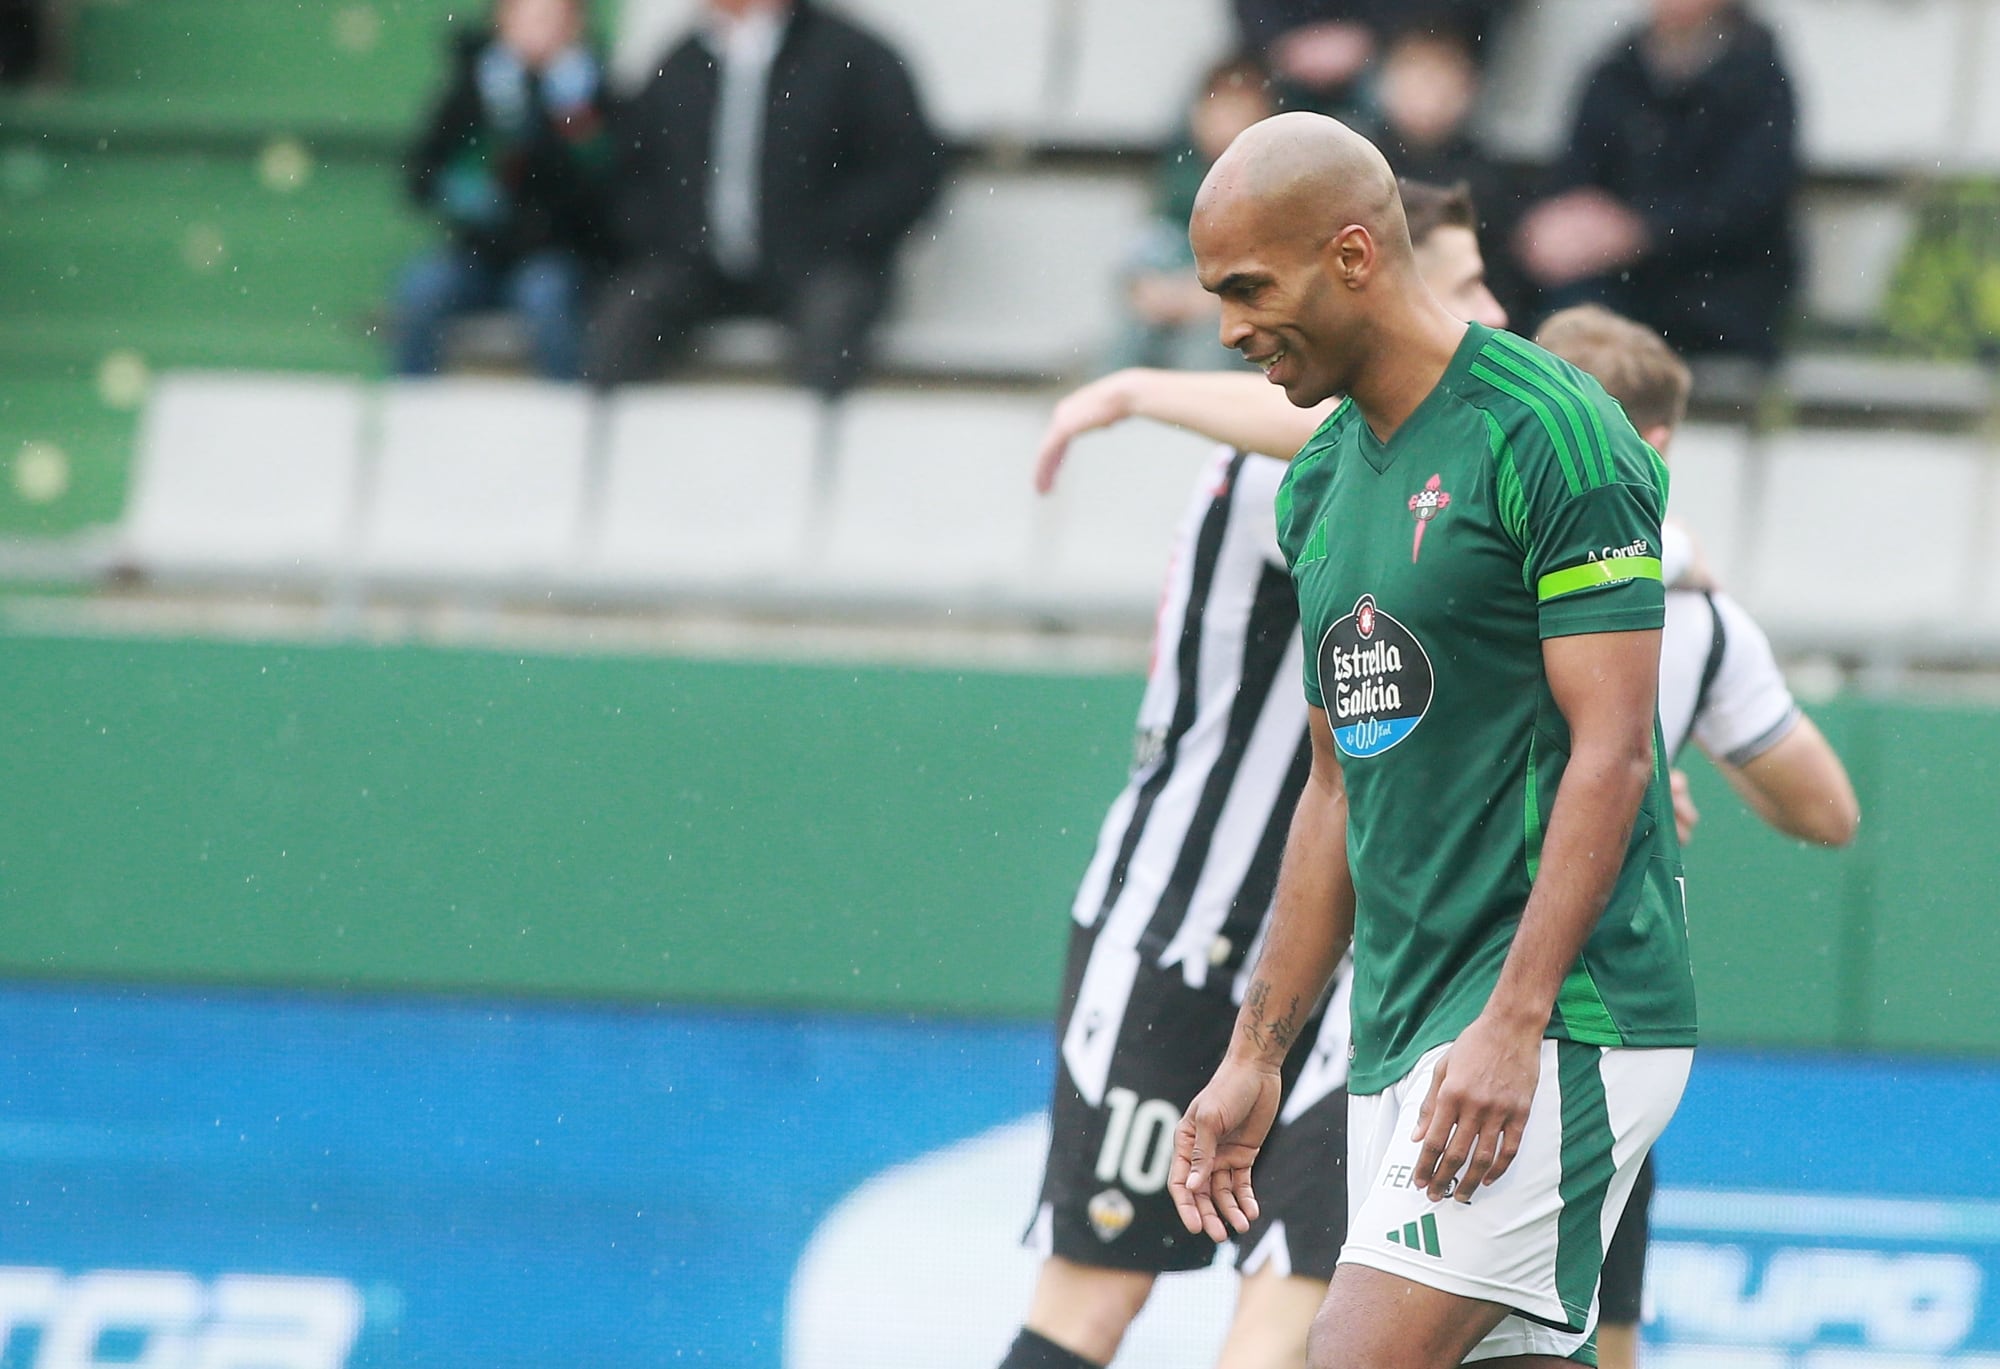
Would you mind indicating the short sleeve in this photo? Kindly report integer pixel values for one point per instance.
(1748, 709)
(1580, 493)
(1594, 562)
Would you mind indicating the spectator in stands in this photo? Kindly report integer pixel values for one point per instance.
(771, 167)
(22, 25)
(1170, 321)
(1321, 49)
(1426, 91)
(516, 160)
(1673, 203)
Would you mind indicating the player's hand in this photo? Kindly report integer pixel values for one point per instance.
(1686, 815)
(1099, 404)
(1214, 1146)
(1477, 1108)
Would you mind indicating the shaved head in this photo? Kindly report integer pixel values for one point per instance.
(1299, 231)
(1305, 176)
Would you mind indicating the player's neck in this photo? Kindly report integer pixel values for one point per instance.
(1413, 349)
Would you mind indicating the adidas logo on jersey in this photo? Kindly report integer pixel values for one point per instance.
(1418, 1236)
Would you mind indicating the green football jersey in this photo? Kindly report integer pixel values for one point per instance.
(1515, 504)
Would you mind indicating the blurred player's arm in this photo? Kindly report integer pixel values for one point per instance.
(1767, 749)
(1605, 684)
(1312, 923)
(1799, 787)
(1239, 408)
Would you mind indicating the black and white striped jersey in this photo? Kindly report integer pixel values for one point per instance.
(1187, 859)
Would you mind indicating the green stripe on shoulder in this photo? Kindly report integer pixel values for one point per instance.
(1563, 378)
(1511, 500)
(1563, 399)
(1566, 455)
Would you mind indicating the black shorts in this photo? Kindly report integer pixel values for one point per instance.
(1104, 1199)
(1621, 1288)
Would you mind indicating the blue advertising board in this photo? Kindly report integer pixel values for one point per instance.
(247, 1181)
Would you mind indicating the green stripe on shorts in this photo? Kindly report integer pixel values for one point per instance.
(1587, 1167)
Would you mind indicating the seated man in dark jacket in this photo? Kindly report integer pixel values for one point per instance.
(771, 167)
(1673, 204)
(517, 160)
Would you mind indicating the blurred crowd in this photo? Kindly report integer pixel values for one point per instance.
(780, 156)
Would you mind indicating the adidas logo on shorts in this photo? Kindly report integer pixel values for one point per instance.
(1421, 1235)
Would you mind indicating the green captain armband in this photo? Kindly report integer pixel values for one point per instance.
(1612, 570)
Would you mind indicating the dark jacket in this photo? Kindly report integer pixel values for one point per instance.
(1262, 22)
(1712, 163)
(1496, 198)
(546, 177)
(849, 162)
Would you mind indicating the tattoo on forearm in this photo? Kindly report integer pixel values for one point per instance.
(1279, 1032)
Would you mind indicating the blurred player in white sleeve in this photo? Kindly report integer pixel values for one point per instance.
(1720, 688)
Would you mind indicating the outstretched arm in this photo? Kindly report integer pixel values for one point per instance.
(1799, 787)
(1605, 684)
(1311, 925)
(1237, 407)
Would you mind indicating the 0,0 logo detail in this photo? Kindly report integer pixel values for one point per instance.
(1376, 679)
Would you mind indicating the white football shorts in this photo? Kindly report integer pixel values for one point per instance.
(1534, 1241)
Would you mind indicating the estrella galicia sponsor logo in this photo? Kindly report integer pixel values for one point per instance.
(1376, 679)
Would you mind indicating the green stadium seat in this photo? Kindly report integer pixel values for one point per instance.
(331, 69)
(64, 453)
(196, 259)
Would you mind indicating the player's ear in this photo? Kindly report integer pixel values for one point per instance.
(1351, 253)
(1659, 437)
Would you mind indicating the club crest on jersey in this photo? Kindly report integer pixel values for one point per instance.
(1110, 1213)
(1376, 679)
(1427, 503)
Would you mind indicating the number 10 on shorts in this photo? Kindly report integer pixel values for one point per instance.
(1138, 1141)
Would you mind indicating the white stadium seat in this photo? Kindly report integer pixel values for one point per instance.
(245, 475)
(1016, 275)
(982, 67)
(1135, 65)
(1866, 537)
(1541, 56)
(1853, 244)
(705, 488)
(1875, 79)
(1982, 126)
(931, 500)
(1710, 483)
(1117, 505)
(477, 480)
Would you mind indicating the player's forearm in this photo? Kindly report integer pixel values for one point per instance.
(1312, 922)
(1590, 826)
(1235, 407)
(1800, 788)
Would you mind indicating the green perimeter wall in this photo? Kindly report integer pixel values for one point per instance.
(871, 838)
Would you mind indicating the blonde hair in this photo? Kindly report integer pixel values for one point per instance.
(1631, 361)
